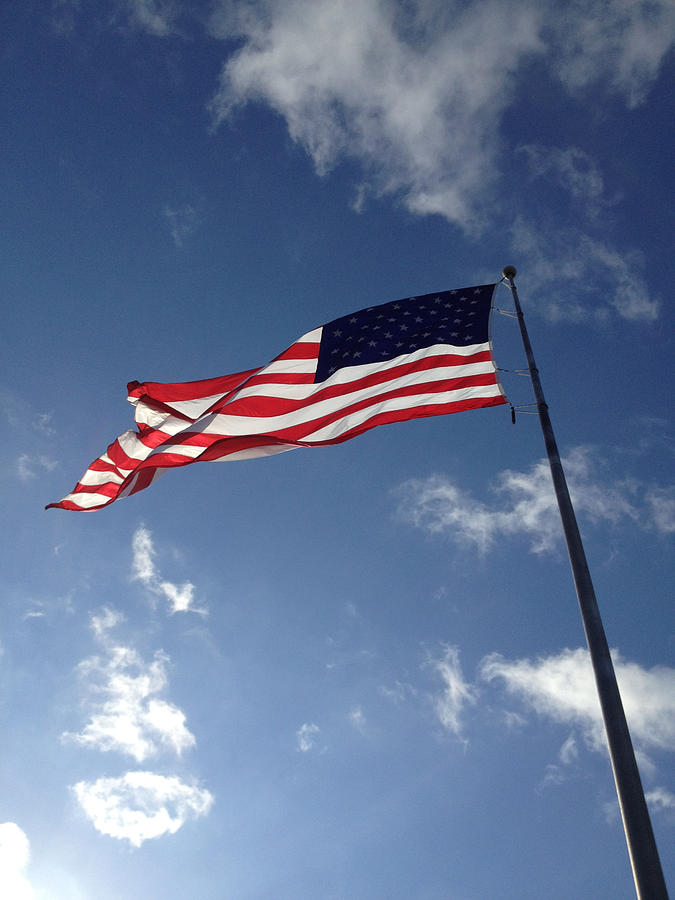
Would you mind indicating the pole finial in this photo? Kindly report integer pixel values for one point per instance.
(509, 272)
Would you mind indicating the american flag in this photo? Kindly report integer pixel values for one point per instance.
(420, 356)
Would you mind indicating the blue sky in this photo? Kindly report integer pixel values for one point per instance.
(358, 671)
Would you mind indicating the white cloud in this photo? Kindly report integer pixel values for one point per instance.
(660, 800)
(572, 168)
(416, 92)
(528, 505)
(180, 597)
(105, 621)
(357, 719)
(620, 43)
(569, 751)
(158, 17)
(183, 221)
(399, 693)
(402, 94)
(14, 858)
(143, 566)
(27, 464)
(42, 424)
(141, 805)
(557, 773)
(306, 736)
(662, 503)
(562, 687)
(572, 268)
(456, 694)
(129, 718)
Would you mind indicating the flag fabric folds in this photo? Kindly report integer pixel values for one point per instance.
(421, 356)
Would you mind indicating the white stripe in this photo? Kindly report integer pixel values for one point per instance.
(163, 421)
(361, 416)
(87, 500)
(255, 452)
(189, 450)
(303, 391)
(132, 446)
(288, 367)
(93, 476)
(312, 337)
(193, 409)
(224, 424)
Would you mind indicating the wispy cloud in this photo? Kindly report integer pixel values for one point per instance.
(456, 694)
(416, 94)
(104, 621)
(128, 715)
(662, 801)
(618, 44)
(14, 859)
(662, 504)
(399, 693)
(396, 86)
(528, 505)
(182, 220)
(306, 736)
(571, 268)
(157, 17)
(357, 719)
(180, 597)
(22, 415)
(40, 608)
(139, 806)
(28, 465)
(573, 170)
(380, 83)
(561, 687)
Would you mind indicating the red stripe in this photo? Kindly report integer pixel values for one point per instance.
(301, 350)
(188, 390)
(222, 447)
(419, 412)
(299, 431)
(281, 378)
(262, 405)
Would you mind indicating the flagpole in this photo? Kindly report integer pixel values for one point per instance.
(644, 857)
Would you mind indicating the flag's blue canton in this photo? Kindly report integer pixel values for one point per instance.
(384, 332)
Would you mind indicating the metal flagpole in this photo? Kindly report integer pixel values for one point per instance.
(644, 857)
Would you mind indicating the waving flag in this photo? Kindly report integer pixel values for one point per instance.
(421, 356)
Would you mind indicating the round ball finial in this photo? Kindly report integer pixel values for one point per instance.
(509, 272)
